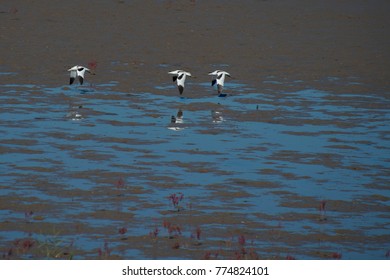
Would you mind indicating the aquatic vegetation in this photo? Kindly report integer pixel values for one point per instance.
(322, 210)
(173, 230)
(92, 64)
(175, 200)
(104, 253)
(122, 230)
(336, 255)
(49, 247)
(154, 234)
(120, 183)
(241, 240)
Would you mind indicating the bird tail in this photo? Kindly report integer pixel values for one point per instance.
(219, 89)
(181, 88)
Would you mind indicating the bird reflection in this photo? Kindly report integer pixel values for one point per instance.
(177, 121)
(217, 116)
(75, 111)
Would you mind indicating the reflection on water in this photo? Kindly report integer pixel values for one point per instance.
(75, 112)
(261, 165)
(177, 121)
(217, 116)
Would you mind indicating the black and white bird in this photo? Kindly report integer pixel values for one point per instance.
(179, 76)
(78, 72)
(219, 80)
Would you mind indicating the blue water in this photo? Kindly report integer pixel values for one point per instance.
(269, 148)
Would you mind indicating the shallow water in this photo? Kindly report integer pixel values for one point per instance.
(88, 160)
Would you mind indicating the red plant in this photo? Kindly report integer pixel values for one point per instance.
(120, 183)
(176, 199)
(105, 252)
(27, 243)
(24, 244)
(166, 224)
(122, 230)
(176, 245)
(322, 210)
(336, 256)
(241, 240)
(172, 229)
(92, 64)
(198, 232)
(322, 205)
(154, 233)
(238, 255)
(289, 257)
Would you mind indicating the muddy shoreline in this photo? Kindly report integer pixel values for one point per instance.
(136, 43)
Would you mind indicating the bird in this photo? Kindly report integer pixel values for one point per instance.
(78, 72)
(219, 80)
(179, 77)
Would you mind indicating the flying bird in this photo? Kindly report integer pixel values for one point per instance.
(78, 72)
(179, 76)
(219, 80)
